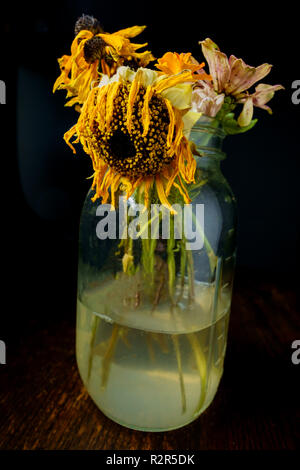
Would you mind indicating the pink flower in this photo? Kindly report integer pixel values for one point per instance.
(233, 77)
(205, 100)
(263, 94)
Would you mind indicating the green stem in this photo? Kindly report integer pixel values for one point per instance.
(182, 268)
(106, 362)
(150, 346)
(160, 339)
(202, 369)
(171, 260)
(186, 262)
(179, 365)
(96, 320)
(190, 270)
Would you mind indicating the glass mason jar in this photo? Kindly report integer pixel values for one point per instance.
(153, 312)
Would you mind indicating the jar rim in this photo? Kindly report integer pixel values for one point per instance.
(209, 125)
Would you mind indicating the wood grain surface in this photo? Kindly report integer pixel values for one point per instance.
(43, 404)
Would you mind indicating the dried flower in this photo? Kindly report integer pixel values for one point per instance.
(262, 95)
(94, 49)
(89, 23)
(172, 63)
(89, 52)
(132, 127)
(232, 77)
(206, 100)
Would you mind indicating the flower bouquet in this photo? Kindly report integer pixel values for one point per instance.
(157, 232)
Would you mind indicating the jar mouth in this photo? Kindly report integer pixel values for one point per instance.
(208, 125)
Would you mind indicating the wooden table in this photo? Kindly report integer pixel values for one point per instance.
(43, 404)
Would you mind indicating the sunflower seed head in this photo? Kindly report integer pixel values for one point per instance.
(93, 49)
(132, 63)
(88, 22)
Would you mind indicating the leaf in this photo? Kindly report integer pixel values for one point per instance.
(231, 126)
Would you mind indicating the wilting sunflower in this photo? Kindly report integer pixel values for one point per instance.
(133, 127)
(94, 52)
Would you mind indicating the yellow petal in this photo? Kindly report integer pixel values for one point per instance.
(147, 77)
(189, 120)
(127, 261)
(180, 95)
(171, 124)
(134, 89)
(169, 81)
(111, 95)
(145, 110)
(130, 32)
(125, 73)
(117, 42)
(162, 195)
(245, 117)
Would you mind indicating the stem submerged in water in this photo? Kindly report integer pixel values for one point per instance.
(179, 364)
(96, 320)
(157, 281)
(106, 362)
(202, 368)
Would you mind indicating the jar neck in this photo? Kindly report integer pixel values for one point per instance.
(207, 137)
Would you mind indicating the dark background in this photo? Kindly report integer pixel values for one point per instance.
(44, 184)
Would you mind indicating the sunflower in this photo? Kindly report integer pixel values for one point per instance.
(94, 52)
(133, 127)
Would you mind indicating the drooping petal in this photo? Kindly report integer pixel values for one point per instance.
(171, 124)
(78, 76)
(218, 64)
(162, 195)
(117, 42)
(145, 110)
(98, 178)
(143, 58)
(130, 32)
(148, 181)
(171, 178)
(165, 82)
(245, 117)
(98, 122)
(121, 44)
(182, 189)
(263, 94)
(65, 64)
(68, 135)
(111, 95)
(134, 89)
(243, 76)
